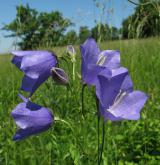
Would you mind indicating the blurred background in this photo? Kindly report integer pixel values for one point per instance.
(34, 24)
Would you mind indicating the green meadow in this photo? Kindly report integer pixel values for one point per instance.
(72, 139)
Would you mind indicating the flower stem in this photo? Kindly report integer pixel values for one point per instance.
(102, 146)
(100, 151)
(98, 130)
(82, 99)
(73, 70)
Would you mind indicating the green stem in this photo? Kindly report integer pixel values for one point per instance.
(73, 70)
(102, 146)
(98, 130)
(65, 122)
(82, 99)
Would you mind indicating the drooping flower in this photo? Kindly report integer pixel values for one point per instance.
(59, 76)
(118, 100)
(31, 119)
(36, 66)
(94, 61)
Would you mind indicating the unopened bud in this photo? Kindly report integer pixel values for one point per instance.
(72, 53)
(59, 76)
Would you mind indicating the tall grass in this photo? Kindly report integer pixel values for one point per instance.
(72, 139)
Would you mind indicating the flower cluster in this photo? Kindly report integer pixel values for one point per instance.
(102, 69)
(114, 87)
(37, 67)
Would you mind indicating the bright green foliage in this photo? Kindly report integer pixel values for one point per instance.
(84, 33)
(37, 29)
(70, 38)
(72, 139)
(145, 22)
(102, 32)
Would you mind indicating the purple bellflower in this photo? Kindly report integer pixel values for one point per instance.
(31, 119)
(118, 100)
(36, 66)
(94, 61)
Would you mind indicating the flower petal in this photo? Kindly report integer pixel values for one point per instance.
(111, 58)
(30, 84)
(17, 61)
(22, 53)
(127, 85)
(90, 51)
(130, 106)
(108, 86)
(31, 119)
(36, 65)
(107, 115)
(91, 73)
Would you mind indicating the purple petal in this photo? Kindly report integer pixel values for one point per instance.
(109, 58)
(127, 84)
(109, 86)
(84, 70)
(129, 107)
(90, 74)
(107, 115)
(30, 52)
(17, 61)
(36, 65)
(89, 68)
(31, 84)
(90, 51)
(31, 119)
(92, 56)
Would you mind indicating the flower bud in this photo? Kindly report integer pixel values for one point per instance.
(59, 76)
(71, 52)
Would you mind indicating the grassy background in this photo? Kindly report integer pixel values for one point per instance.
(73, 140)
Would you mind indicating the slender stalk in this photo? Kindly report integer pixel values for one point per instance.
(73, 70)
(102, 146)
(98, 130)
(82, 99)
(143, 4)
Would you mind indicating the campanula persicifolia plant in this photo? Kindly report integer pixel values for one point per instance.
(116, 99)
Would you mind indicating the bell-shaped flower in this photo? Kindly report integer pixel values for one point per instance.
(94, 61)
(36, 66)
(59, 76)
(31, 119)
(118, 100)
